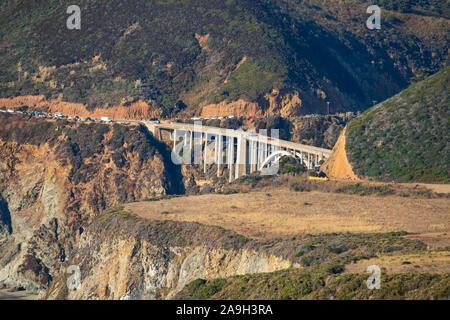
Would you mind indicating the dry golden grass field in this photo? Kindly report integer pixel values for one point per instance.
(274, 213)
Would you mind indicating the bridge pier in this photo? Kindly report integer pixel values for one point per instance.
(241, 161)
(260, 154)
(185, 142)
(219, 153)
(174, 139)
(230, 157)
(253, 155)
(205, 156)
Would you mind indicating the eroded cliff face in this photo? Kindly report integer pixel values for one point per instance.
(55, 177)
(137, 110)
(57, 181)
(121, 256)
(274, 103)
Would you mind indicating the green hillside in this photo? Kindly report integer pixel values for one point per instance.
(320, 49)
(407, 137)
(294, 284)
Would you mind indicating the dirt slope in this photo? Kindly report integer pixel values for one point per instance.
(337, 165)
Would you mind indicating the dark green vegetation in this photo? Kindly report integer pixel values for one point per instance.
(291, 166)
(323, 258)
(411, 6)
(407, 137)
(296, 284)
(331, 252)
(255, 182)
(363, 190)
(310, 46)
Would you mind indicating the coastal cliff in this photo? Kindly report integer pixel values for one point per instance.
(56, 176)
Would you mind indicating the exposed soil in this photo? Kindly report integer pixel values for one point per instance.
(337, 165)
(6, 294)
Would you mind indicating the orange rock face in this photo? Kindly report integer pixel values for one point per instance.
(237, 108)
(273, 104)
(139, 110)
(337, 165)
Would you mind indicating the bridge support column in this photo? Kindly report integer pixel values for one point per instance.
(241, 161)
(158, 134)
(252, 155)
(262, 143)
(197, 147)
(219, 153)
(230, 157)
(205, 156)
(185, 139)
(216, 148)
(255, 155)
(260, 154)
(174, 139)
(266, 150)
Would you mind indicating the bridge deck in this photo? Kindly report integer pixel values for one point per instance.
(240, 133)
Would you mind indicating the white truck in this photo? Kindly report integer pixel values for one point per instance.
(105, 119)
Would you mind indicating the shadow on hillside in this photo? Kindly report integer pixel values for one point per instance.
(173, 172)
(5, 215)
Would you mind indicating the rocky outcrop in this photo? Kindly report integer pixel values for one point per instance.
(274, 103)
(137, 110)
(121, 256)
(55, 177)
(239, 108)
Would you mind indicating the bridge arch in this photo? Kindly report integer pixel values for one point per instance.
(277, 155)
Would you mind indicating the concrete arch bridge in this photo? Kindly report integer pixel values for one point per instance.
(243, 152)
